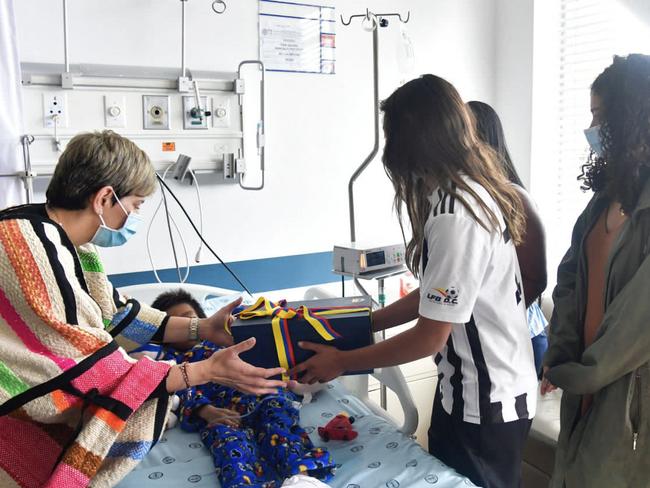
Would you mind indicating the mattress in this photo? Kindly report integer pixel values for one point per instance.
(380, 457)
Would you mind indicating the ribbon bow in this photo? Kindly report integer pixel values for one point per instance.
(281, 314)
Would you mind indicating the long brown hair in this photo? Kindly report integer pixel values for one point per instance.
(431, 141)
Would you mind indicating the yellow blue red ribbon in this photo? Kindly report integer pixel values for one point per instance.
(315, 317)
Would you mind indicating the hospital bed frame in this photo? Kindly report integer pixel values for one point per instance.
(357, 385)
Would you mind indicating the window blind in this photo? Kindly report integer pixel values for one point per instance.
(591, 32)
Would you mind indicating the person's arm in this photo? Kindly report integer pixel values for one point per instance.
(212, 328)
(427, 337)
(400, 312)
(565, 333)
(622, 344)
(49, 299)
(226, 368)
(532, 252)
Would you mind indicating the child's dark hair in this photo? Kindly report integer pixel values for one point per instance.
(169, 299)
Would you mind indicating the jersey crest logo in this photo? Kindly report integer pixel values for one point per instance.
(444, 296)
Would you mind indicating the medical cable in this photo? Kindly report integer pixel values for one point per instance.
(197, 257)
(171, 236)
(148, 240)
(209, 248)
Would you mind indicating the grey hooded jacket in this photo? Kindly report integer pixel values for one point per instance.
(609, 446)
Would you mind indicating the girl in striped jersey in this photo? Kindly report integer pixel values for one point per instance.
(466, 219)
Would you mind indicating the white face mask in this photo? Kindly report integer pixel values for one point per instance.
(593, 138)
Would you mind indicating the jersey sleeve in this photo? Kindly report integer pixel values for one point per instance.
(458, 252)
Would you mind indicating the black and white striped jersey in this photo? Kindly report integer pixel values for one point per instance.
(470, 277)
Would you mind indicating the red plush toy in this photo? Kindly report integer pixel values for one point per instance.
(339, 428)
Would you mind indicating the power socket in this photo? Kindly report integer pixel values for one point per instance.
(55, 108)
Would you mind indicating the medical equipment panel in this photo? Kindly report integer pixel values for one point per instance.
(355, 259)
(169, 111)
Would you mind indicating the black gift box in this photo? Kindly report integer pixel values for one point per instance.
(353, 330)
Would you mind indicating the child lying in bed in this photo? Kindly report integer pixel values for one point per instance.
(255, 441)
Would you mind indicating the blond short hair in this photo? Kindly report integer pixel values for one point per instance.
(94, 160)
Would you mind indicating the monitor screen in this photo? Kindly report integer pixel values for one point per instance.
(375, 258)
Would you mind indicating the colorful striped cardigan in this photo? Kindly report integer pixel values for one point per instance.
(75, 409)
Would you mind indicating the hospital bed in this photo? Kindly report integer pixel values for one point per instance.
(384, 454)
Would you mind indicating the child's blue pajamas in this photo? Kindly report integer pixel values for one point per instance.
(267, 448)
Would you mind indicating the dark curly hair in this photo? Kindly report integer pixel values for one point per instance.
(624, 165)
(169, 299)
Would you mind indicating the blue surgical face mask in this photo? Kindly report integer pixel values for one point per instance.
(593, 138)
(107, 237)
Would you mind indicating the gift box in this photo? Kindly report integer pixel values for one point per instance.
(278, 327)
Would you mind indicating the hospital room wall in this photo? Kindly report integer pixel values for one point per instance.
(319, 127)
(514, 79)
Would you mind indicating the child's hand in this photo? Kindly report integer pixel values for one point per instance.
(220, 416)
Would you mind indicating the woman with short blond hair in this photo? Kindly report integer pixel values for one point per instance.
(75, 409)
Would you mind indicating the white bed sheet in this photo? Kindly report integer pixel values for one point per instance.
(380, 457)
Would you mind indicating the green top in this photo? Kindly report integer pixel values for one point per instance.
(608, 446)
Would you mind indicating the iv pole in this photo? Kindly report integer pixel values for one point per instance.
(377, 20)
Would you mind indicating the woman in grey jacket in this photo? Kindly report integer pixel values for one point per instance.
(599, 349)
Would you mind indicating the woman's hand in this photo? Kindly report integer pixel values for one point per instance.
(226, 368)
(547, 386)
(219, 416)
(213, 328)
(324, 366)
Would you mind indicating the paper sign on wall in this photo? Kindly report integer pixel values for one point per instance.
(297, 37)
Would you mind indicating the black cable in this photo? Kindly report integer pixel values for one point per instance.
(232, 273)
(171, 237)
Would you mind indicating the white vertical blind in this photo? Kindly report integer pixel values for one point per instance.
(591, 32)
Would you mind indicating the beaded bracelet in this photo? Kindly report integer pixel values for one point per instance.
(186, 379)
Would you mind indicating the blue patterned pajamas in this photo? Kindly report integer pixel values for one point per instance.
(267, 448)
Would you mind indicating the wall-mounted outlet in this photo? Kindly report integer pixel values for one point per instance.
(155, 111)
(55, 110)
(221, 111)
(193, 116)
(114, 111)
